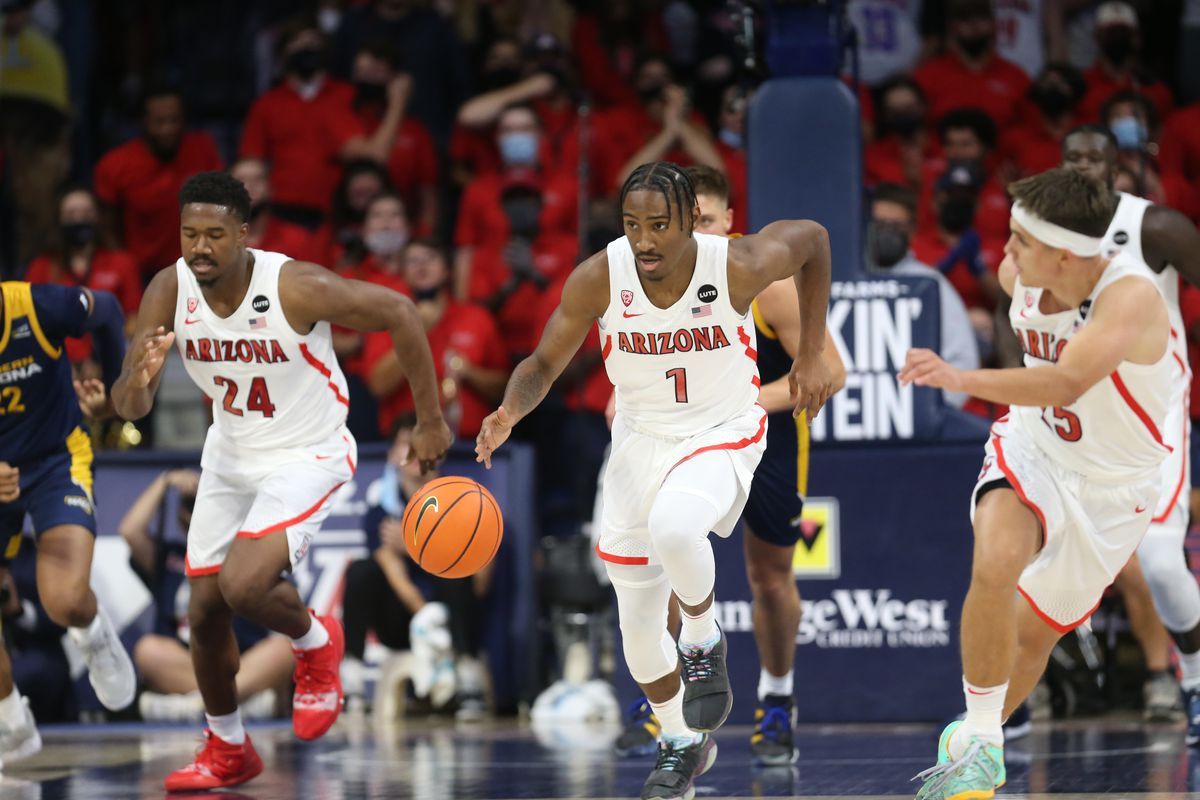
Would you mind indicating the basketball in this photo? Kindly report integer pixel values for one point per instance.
(453, 527)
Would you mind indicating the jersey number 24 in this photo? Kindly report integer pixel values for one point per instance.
(257, 399)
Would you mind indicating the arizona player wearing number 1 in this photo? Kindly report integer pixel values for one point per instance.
(673, 308)
(1072, 476)
(253, 329)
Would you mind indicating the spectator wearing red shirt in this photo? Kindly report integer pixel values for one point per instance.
(481, 219)
(968, 136)
(341, 237)
(1118, 67)
(1179, 150)
(83, 257)
(509, 280)
(971, 72)
(266, 231)
(904, 143)
(381, 101)
(1036, 146)
(607, 43)
(731, 144)
(1133, 120)
(468, 355)
(473, 150)
(139, 181)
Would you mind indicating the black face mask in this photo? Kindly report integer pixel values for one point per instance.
(426, 294)
(1118, 45)
(499, 78)
(974, 46)
(367, 93)
(306, 63)
(956, 214)
(649, 95)
(1052, 101)
(77, 235)
(905, 124)
(886, 245)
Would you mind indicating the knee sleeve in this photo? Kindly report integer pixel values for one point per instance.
(1172, 585)
(642, 597)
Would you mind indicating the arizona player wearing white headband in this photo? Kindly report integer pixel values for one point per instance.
(1070, 477)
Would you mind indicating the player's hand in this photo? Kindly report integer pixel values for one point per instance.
(399, 89)
(10, 483)
(429, 443)
(93, 399)
(186, 481)
(495, 431)
(810, 384)
(149, 355)
(925, 368)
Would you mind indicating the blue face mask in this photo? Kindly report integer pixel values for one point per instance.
(731, 138)
(519, 149)
(1130, 133)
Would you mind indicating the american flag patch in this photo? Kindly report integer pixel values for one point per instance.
(702, 311)
(258, 323)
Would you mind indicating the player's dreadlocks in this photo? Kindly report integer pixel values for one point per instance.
(670, 180)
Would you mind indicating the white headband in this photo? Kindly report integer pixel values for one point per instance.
(1056, 235)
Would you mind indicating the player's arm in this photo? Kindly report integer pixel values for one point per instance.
(1170, 239)
(797, 249)
(312, 294)
(584, 299)
(133, 392)
(1129, 323)
(778, 304)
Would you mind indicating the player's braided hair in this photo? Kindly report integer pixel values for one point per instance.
(218, 189)
(671, 181)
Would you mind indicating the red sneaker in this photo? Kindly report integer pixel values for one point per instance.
(318, 698)
(218, 764)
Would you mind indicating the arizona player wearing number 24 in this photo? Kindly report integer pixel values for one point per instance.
(253, 329)
(673, 308)
(1071, 477)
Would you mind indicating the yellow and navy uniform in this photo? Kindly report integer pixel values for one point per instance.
(781, 480)
(41, 426)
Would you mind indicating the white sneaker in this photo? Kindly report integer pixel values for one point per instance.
(109, 668)
(260, 705)
(22, 741)
(156, 707)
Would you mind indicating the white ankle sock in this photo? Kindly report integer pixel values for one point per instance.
(985, 705)
(12, 710)
(670, 718)
(770, 684)
(699, 631)
(316, 637)
(227, 727)
(88, 633)
(1189, 666)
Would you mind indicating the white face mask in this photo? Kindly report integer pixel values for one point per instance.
(386, 243)
(328, 20)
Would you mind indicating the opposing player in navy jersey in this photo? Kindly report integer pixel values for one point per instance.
(46, 473)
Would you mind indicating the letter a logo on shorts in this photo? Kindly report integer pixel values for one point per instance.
(192, 304)
(626, 297)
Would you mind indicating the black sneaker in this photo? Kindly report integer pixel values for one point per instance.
(771, 744)
(676, 767)
(640, 737)
(707, 696)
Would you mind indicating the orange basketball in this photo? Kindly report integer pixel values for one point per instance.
(452, 527)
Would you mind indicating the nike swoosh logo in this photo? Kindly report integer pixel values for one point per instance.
(430, 502)
(627, 315)
(323, 458)
(190, 321)
(1139, 509)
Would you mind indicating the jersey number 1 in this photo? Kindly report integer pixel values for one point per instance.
(680, 376)
(258, 399)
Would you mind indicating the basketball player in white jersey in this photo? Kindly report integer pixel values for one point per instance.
(673, 307)
(253, 329)
(1167, 243)
(1070, 477)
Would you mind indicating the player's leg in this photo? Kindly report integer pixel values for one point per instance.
(1160, 692)
(252, 584)
(1035, 643)
(19, 737)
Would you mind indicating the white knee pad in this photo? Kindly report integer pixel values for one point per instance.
(642, 596)
(1172, 585)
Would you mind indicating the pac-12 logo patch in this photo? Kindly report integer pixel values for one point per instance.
(818, 552)
(707, 293)
(626, 297)
(192, 304)
(260, 303)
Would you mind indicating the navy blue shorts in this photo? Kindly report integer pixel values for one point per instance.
(55, 490)
(773, 509)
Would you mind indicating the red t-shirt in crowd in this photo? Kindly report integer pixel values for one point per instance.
(146, 192)
(735, 173)
(371, 271)
(553, 256)
(1189, 304)
(929, 249)
(592, 393)
(481, 218)
(1102, 86)
(465, 329)
(292, 240)
(111, 271)
(302, 140)
(998, 89)
(412, 162)
(1031, 149)
(616, 135)
(607, 71)
(1179, 148)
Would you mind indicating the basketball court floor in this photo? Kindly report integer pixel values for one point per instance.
(1111, 758)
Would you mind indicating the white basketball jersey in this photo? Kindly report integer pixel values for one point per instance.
(1019, 34)
(682, 370)
(271, 387)
(1113, 432)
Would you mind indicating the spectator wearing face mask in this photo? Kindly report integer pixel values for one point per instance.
(341, 238)
(510, 280)
(1035, 146)
(607, 40)
(893, 221)
(266, 230)
(971, 73)
(731, 145)
(968, 136)
(139, 182)
(468, 354)
(482, 222)
(473, 149)
(1133, 120)
(904, 144)
(1119, 67)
